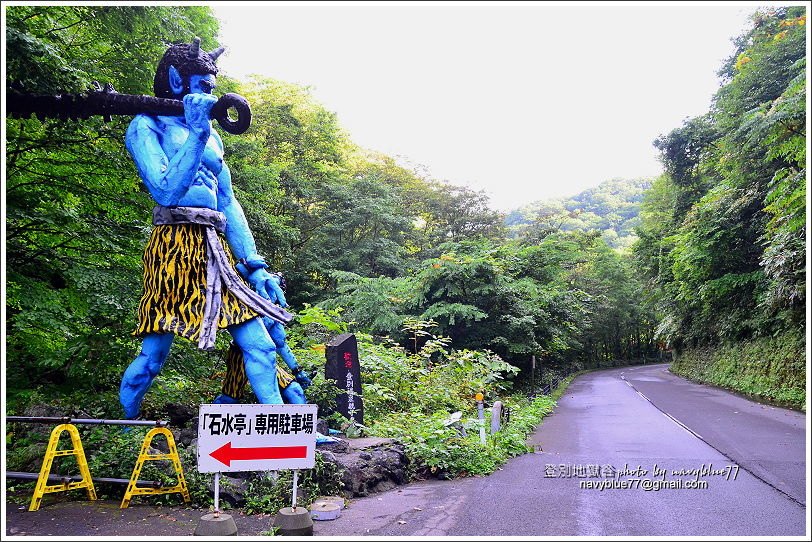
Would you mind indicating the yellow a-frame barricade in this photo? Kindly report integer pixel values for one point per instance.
(86, 481)
(144, 455)
(51, 452)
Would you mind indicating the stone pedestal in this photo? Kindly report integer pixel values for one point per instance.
(216, 525)
(324, 511)
(294, 522)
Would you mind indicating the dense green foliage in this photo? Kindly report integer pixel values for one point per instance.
(567, 299)
(723, 230)
(446, 296)
(612, 207)
(349, 228)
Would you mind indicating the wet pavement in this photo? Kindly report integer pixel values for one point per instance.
(603, 422)
(104, 518)
(766, 440)
(607, 462)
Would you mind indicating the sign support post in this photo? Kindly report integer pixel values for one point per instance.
(217, 492)
(295, 486)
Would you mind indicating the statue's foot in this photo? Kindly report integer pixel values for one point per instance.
(322, 439)
(132, 409)
(224, 399)
(127, 429)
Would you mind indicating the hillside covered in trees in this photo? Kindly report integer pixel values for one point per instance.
(723, 232)
(713, 259)
(612, 207)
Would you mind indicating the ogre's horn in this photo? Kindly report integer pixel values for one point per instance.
(194, 50)
(217, 52)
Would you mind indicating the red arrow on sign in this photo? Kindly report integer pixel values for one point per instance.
(225, 454)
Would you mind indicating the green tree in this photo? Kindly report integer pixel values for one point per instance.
(619, 326)
(76, 215)
(721, 236)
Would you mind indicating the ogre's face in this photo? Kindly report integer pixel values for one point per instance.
(202, 84)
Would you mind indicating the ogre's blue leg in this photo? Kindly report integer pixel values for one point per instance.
(259, 354)
(142, 371)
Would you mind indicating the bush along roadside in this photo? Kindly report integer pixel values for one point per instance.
(423, 397)
(447, 446)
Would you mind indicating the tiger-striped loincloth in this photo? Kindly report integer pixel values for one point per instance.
(236, 379)
(190, 285)
(174, 296)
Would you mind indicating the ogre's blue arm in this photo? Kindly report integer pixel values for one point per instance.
(238, 234)
(279, 337)
(240, 238)
(168, 179)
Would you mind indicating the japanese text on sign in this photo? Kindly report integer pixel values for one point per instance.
(256, 437)
(260, 424)
(350, 395)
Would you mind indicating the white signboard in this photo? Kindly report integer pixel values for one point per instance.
(256, 437)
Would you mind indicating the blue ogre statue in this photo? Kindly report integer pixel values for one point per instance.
(201, 256)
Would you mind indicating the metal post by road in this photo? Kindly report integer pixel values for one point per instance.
(86, 421)
(295, 484)
(481, 409)
(533, 375)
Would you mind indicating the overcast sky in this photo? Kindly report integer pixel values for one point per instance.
(524, 100)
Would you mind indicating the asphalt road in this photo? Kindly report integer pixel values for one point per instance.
(600, 421)
(608, 430)
(767, 441)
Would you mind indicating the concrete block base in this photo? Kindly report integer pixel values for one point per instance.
(323, 511)
(294, 522)
(332, 499)
(216, 525)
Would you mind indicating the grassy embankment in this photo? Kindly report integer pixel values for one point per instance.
(767, 369)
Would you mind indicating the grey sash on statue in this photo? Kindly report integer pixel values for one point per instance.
(218, 270)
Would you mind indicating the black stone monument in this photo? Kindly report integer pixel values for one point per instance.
(344, 367)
